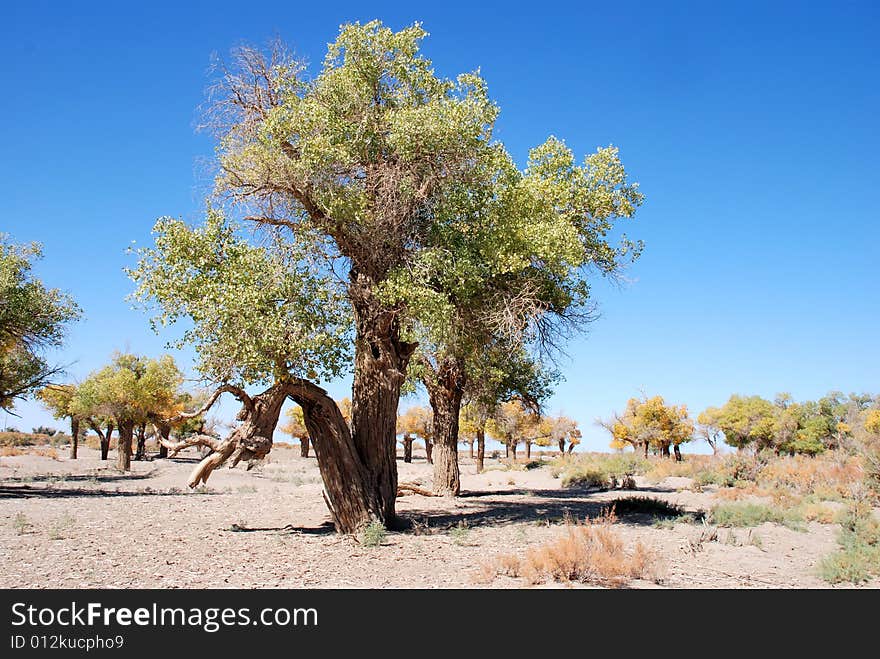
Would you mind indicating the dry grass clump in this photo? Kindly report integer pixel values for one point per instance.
(43, 451)
(819, 512)
(833, 474)
(587, 552)
(692, 466)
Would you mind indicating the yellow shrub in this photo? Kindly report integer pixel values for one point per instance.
(589, 552)
(819, 512)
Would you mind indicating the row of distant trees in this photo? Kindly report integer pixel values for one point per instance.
(137, 397)
(748, 422)
(513, 423)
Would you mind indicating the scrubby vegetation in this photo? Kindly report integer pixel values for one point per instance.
(587, 552)
(599, 470)
(858, 558)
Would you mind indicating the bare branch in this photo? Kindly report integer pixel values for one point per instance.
(193, 440)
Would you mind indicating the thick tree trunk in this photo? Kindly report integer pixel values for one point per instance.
(665, 450)
(471, 449)
(349, 490)
(481, 450)
(506, 450)
(570, 448)
(304, 447)
(528, 450)
(74, 437)
(407, 448)
(512, 450)
(677, 453)
(349, 486)
(164, 433)
(646, 450)
(429, 450)
(380, 364)
(123, 445)
(141, 450)
(445, 385)
(105, 440)
(562, 446)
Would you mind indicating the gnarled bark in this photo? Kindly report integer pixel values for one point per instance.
(163, 432)
(407, 447)
(304, 446)
(74, 436)
(103, 437)
(349, 489)
(350, 486)
(123, 445)
(380, 364)
(141, 449)
(445, 385)
(251, 440)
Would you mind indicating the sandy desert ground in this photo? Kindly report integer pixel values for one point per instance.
(81, 524)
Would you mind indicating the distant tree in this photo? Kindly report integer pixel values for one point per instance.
(748, 421)
(709, 428)
(131, 390)
(469, 427)
(33, 319)
(651, 423)
(557, 431)
(296, 428)
(504, 375)
(58, 399)
(512, 423)
(416, 422)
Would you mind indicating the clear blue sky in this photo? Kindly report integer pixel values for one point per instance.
(752, 128)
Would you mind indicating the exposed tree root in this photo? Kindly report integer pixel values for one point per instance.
(408, 488)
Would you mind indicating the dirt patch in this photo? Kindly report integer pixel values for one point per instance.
(81, 524)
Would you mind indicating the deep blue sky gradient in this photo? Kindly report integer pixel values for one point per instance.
(752, 128)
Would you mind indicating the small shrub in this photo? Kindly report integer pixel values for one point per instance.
(712, 477)
(58, 530)
(646, 506)
(246, 489)
(586, 476)
(669, 523)
(745, 514)
(590, 552)
(755, 540)
(599, 470)
(819, 512)
(21, 524)
(459, 532)
(858, 558)
(373, 534)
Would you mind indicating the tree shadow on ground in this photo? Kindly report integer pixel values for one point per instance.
(543, 507)
(327, 528)
(79, 478)
(28, 492)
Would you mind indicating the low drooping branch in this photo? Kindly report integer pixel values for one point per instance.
(193, 440)
(238, 392)
(408, 488)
